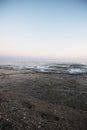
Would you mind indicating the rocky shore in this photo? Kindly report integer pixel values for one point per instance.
(42, 101)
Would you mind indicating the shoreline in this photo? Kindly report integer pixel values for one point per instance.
(31, 100)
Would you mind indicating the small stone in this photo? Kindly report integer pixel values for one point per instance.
(39, 126)
(24, 117)
(55, 111)
(7, 119)
(39, 123)
(0, 116)
(24, 114)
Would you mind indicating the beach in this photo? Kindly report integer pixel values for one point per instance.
(43, 100)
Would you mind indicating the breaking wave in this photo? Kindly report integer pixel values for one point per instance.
(51, 68)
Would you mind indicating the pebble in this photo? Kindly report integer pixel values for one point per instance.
(39, 126)
(24, 117)
(0, 116)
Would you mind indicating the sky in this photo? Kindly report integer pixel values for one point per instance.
(43, 28)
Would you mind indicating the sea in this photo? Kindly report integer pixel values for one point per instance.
(46, 66)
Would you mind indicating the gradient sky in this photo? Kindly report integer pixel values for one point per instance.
(43, 28)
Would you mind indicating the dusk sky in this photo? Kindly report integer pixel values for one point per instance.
(43, 28)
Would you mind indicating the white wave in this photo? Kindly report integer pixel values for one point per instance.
(56, 68)
(76, 70)
(43, 68)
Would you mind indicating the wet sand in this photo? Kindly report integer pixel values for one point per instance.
(42, 101)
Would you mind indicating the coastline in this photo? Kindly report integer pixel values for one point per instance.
(31, 100)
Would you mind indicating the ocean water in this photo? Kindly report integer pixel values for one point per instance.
(46, 67)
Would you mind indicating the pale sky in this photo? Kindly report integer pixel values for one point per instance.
(43, 28)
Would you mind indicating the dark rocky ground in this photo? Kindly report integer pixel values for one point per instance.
(42, 101)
